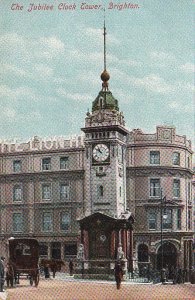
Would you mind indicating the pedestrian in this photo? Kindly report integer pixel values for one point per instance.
(167, 273)
(184, 275)
(2, 274)
(179, 276)
(9, 275)
(71, 265)
(46, 271)
(175, 274)
(163, 276)
(118, 272)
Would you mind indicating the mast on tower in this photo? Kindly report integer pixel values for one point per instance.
(105, 75)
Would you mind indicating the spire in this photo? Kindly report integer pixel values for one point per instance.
(105, 75)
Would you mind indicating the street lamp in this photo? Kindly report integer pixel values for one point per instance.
(163, 215)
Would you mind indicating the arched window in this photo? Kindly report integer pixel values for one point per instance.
(100, 191)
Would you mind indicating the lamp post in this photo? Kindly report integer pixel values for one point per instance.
(162, 216)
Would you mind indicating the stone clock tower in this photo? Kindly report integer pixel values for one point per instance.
(106, 227)
(105, 148)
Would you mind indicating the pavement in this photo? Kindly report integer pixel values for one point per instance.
(3, 295)
(64, 277)
(67, 278)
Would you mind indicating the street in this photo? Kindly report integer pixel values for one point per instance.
(70, 289)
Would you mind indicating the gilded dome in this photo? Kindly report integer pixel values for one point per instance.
(105, 76)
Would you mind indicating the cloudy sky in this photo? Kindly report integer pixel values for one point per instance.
(52, 60)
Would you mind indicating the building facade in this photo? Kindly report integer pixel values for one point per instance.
(47, 185)
(159, 186)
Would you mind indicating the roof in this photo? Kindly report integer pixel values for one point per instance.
(124, 217)
(108, 101)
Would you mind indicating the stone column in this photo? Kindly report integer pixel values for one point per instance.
(119, 237)
(117, 241)
(3, 215)
(113, 244)
(130, 232)
(82, 236)
(62, 250)
(124, 242)
(31, 220)
(86, 244)
(49, 250)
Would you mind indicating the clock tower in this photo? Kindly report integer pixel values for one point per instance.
(105, 150)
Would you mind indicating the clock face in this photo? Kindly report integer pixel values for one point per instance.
(100, 152)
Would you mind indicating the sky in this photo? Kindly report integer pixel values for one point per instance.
(51, 61)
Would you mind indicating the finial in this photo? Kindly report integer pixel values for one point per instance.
(105, 75)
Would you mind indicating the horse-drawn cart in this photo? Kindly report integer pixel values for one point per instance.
(24, 258)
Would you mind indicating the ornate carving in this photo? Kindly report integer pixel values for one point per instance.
(105, 117)
(80, 253)
(120, 253)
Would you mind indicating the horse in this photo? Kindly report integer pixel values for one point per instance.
(54, 264)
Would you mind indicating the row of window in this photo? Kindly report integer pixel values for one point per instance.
(64, 161)
(64, 192)
(155, 158)
(47, 222)
(155, 188)
(46, 164)
(167, 219)
(70, 249)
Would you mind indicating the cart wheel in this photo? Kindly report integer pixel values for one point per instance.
(36, 280)
(31, 280)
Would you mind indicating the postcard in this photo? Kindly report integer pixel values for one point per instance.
(96, 148)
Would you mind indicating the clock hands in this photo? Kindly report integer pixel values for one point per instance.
(99, 150)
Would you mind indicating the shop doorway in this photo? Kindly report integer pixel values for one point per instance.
(169, 260)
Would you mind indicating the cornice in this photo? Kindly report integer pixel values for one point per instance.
(146, 171)
(100, 128)
(169, 203)
(158, 144)
(45, 152)
(48, 174)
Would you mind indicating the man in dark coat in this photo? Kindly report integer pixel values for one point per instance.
(2, 273)
(71, 267)
(118, 272)
(9, 275)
